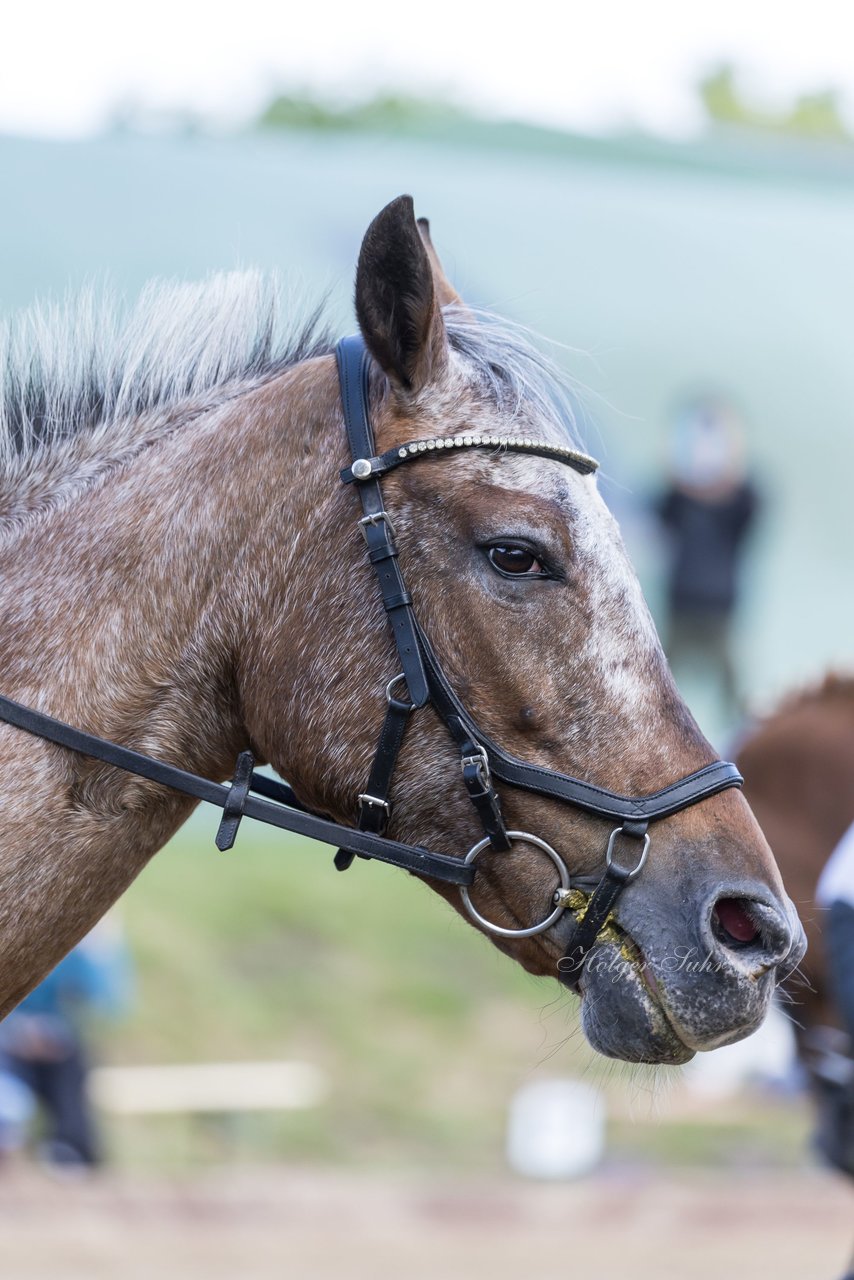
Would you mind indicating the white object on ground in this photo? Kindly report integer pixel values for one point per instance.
(208, 1086)
(556, 1129)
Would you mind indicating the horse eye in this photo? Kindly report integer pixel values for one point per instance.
(514, 561)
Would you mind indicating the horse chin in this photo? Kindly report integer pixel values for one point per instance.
(621, 1014)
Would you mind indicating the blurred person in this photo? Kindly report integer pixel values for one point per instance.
(44, 1062)
(706, 510)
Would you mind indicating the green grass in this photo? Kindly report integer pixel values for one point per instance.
(423, 1030)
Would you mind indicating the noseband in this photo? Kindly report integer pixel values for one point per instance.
(422, 678)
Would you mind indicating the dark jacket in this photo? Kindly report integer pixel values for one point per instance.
(706, 536)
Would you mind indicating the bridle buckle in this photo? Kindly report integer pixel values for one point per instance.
(480, 761)
(374, 802)
(375, 518)
(397, 702)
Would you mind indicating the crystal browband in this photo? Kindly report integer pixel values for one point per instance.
(370, 468)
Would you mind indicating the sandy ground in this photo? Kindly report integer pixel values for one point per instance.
(256, 1225)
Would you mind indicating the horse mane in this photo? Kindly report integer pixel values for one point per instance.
(86, 383)
(74, 368)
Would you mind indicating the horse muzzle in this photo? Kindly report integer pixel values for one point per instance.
(654, 992)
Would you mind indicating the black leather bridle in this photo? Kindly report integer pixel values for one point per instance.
(256, 796)
(482, 759)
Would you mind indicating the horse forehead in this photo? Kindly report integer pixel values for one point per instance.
(574, 497)
(607, 577)
(609, 580)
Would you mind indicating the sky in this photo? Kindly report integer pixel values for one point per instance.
(604, 64)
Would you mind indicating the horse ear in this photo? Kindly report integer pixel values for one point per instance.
(398, 301)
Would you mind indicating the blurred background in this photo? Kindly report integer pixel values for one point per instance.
(667, 195)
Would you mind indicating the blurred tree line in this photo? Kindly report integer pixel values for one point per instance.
(724, 93)
(725, 99)
(387, 111)
(811, 115)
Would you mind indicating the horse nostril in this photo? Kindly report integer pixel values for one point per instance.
(734, 924)
(746, 929)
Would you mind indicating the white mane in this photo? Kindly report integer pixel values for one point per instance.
(88, 365)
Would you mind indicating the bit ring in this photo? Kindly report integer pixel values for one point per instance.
(498, 929)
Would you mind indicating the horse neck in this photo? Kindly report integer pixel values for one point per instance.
(146, 580)
(124, 611)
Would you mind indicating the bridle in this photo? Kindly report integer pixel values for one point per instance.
(482, 761)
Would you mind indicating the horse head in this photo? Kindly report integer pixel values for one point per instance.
(523, 589)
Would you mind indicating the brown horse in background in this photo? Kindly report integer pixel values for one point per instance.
(798, 766)
(799, 776)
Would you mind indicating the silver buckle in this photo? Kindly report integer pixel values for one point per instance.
(374, 802)
(375, 518)
(481, 760)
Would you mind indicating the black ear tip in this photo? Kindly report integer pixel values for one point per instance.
(392, 236)
(399, 212)
(392, 232)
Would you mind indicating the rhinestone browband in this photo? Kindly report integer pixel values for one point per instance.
(370, 468)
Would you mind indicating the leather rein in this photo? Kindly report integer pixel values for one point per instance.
(254, 795)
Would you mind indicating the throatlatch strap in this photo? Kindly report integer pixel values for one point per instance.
(374, 805)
